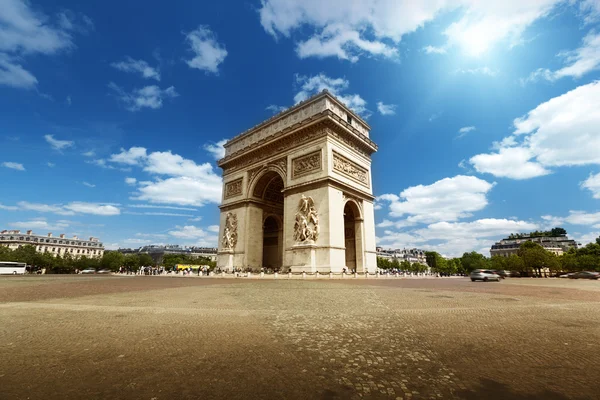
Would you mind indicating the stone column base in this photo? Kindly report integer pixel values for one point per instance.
(304, 258)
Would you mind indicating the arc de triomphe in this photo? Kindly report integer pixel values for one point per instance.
(297, 192)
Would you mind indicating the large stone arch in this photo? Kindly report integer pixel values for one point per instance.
(354, 235)
(293, 174)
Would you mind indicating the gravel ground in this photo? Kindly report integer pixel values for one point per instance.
(154, 338)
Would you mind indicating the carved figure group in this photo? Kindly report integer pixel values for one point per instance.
(230, 232)
(306, 227)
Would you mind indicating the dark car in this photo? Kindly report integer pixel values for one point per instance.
(585, 275)
(503, 274)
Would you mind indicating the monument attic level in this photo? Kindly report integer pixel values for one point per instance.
(297, 192)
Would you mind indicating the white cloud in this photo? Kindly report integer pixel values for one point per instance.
(13, 165)
(213, 228)
(137, 66)
(182, 190)
(196, 219)
(592, 183)
(159, 214)
(386, 109)
(434, 50)
(161, 206)
(275, 108)
(587, 238)
(454, 238)
(575, 218)
(147, 97)
(51, 165)
(90, 185)
(579, 62)
(90, 153)
(76, 207)
(197, 235)
(208, 52)
(216, 149)
(347, 30)
(130, 181)
(317, 83)
(13, 74)
(68, 100)
(187, 183)
(133, 156)
(448, 199)
(8, 208)
(101, 163)
(574, 115)
(58, 144)
(476, 71)
(80, 207)
(39, 223)
(25, 32)
(462, 132)
(509, 162)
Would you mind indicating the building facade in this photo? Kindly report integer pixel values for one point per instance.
(410, 255)
(556, 245)
(297, 192)
(55, 245)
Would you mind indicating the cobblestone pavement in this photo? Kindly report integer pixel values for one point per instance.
(101, 337)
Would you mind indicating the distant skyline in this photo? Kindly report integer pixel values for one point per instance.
(486, 114)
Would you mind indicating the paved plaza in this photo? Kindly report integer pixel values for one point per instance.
(146, 337)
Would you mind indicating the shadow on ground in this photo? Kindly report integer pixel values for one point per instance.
(493, 390)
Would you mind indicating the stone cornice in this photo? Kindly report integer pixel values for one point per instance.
(302, 107)
(326, 122)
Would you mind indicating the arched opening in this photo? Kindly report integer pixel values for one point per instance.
(353, 237)
(350, 237)
(269, 193)
(272, 254)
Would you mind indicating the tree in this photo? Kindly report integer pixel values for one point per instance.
(569, 262)
(24, 254)
(405, 266)
(515, 263)
(558, 231)
(112, 260)
(145, 260)
(383, 263)
(598, 240)
(499, 263)
(534, 256)
(131, 261)
(436, 262)
(473, 260)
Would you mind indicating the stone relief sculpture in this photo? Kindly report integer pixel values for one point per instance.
(306, 227)
(230, 231)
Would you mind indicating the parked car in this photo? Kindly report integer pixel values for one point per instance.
(484, 275)
(89, 271)
(585, 275)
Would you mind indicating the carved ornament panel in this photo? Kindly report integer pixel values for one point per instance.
(307, 164)
(233, 188)
(350, 169)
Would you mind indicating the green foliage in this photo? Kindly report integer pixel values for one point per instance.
(553, 232)
(515, 263)
(499, 263)
(145, 260)
(474, 260)
(112, 260)
(437, 263)
(170, 260)
(384, 263)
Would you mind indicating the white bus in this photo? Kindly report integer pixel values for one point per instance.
(12, 268)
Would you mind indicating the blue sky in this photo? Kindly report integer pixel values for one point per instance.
(487, 116)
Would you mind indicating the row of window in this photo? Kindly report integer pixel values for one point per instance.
(58, 250)
(91, 244)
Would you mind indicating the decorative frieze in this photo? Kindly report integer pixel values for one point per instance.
(350, 169)
(307, 164)
(233, 188)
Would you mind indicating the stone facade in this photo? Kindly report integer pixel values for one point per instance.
(299, 185)
(60, 245)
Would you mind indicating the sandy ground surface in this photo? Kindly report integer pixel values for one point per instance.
(154, 338)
